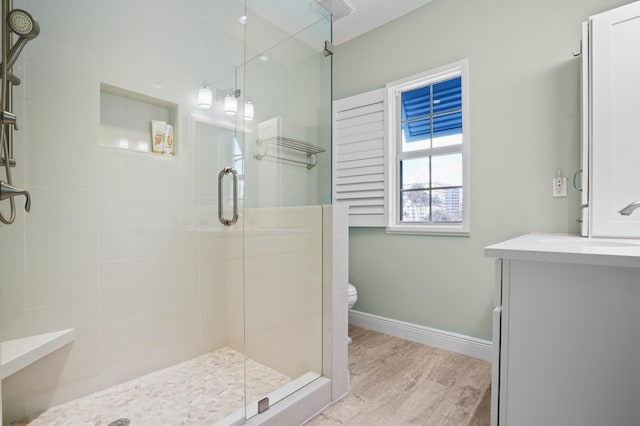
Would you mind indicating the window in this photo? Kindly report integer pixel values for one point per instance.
(428, 185)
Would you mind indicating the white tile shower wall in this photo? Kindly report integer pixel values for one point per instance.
(282, 287)
(126, 203)
(12, 244)
(211, 295)
(61, 109)
(232, 269)
(133, 278)
(12, 302)
(143, 201)
(62, 215)
(112, 245)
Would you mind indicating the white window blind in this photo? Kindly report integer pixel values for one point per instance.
(359, 152)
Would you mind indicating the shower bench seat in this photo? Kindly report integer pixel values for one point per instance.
(19, 353)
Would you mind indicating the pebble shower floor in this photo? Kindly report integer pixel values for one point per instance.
(200, 391)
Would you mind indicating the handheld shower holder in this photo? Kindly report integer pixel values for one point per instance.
(23, 25)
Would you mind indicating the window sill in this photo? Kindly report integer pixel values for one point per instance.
(439, 230)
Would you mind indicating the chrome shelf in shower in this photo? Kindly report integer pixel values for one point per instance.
(310, 150)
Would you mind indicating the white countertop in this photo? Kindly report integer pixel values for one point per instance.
(567, 248)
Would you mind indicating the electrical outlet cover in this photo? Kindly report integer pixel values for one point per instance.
(559, 186)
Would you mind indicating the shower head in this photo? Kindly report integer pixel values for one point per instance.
(26, 27)
(23, 24)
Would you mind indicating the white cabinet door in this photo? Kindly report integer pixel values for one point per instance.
(615, 121)
(570, 345)
(585, 133)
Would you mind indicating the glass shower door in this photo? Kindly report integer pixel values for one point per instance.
(286, 87)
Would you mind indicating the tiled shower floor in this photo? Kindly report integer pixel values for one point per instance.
(200, 391)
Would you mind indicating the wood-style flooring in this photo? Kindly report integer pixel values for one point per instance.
(399, 382)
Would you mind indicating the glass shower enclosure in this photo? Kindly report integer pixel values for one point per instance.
(287, 179)
(178, 156)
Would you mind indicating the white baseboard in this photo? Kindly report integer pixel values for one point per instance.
(477, 348)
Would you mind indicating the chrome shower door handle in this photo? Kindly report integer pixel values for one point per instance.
(221, 175)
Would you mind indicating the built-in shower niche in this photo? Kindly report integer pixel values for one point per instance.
(126, 116)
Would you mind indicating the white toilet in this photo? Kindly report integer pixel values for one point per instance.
(352, 298)
(352, 295)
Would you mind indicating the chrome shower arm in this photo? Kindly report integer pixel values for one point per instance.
(15, 51)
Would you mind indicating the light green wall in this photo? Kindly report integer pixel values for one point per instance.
(525, 123)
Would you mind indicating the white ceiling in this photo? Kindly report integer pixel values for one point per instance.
(370, 14)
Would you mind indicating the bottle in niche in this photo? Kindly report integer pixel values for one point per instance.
(157, 136)
(168, 139)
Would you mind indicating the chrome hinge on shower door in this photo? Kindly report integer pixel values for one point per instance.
(328, 48)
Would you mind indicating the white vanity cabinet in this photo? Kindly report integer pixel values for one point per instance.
(566, 331)
(611, 122)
